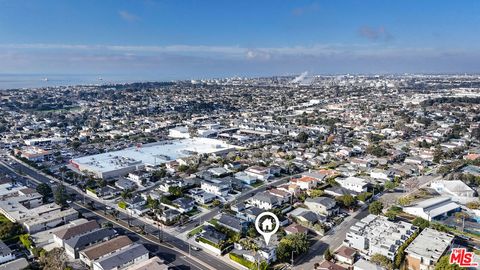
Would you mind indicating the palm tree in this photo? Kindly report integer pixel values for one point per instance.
(115, 214)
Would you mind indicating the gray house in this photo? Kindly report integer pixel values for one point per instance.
(322, 205)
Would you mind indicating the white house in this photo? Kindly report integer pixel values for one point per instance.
(305, 182)
(352, 183)
(217, 187)
(264, 201)
(261, 173)
(381, 174)
(139, 176)
(245, 178)
(202, 197)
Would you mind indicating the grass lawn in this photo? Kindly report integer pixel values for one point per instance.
(213, 221)
(3, 219)
(257, 184)
(193, 212)
(195, 231)
(205, 206)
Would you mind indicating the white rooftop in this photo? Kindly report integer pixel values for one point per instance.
(456, 186)
(430, 244)
(352, 180)
(152, 154)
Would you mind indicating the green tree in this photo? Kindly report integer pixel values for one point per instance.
(405, 200)
(364, 196)
(444, 264)
(126, 193)
(46, 191)
(158, 174)
(347, 200)
(152, 203)
(302, 137)
(183, 168)
(376, 150)
(438, 154)
(473, 205)
(391, 215)
(316, 193)
(381, 260)
(393, 212)
(375, 208)
(252, 232)
(461, 215)
(175, 191)
(297, 243)
(421, 223)
(61, 195)
(328, 255)
(216, 203)
(9, 230)
(389, 185)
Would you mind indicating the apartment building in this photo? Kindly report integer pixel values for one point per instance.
(425, 251)
(376, 234)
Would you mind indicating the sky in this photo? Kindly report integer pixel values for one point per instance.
(190, 39)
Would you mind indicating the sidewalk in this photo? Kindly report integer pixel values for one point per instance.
(225, 258)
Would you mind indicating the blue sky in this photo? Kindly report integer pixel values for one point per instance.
(203, 39)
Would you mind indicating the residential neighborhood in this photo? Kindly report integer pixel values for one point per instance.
(363, 172)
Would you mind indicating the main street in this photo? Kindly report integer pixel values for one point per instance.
(173, 247)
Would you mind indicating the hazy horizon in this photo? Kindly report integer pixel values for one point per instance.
(192, 39)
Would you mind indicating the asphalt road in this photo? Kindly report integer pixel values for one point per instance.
(168, 254)
(191, 225)
(174, 260)
(332, 240)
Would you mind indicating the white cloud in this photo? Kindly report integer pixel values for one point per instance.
(261, 53)
(192, 60)
(127, 16)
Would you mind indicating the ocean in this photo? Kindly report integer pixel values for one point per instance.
(17, 81)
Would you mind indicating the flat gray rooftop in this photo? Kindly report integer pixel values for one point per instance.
(152, 154)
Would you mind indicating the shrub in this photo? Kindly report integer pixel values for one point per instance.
(25, 240)
(241, 260)
(122, 204)
(205, 241)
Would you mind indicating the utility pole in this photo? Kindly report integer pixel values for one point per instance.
(291, 261)
(158, 227)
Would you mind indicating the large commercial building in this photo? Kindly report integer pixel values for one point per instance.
(117, 163)
(434, 208)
